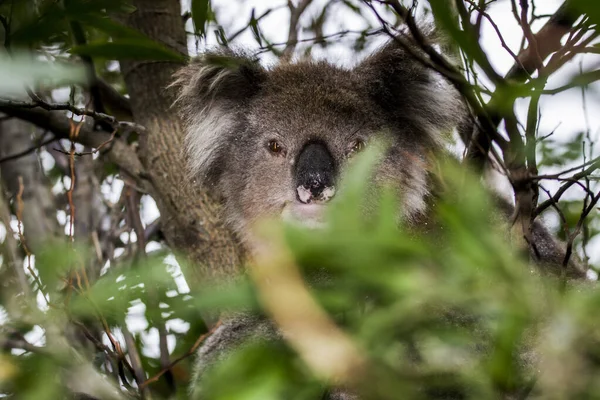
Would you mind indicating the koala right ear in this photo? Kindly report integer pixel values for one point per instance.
(212, 91)
(411, 94)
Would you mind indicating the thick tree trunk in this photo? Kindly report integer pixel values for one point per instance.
(189, 218)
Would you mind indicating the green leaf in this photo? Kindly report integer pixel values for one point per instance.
(200, 11)
(55, 260)
(255, 29)
(587, 7)
(20, 71)
(110, 27)
(80, 7)
(32, 27)
(129, 49)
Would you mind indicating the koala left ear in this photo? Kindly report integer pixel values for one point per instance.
(212, 91)
(411, 94)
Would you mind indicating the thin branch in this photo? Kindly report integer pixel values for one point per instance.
(587, 208)
(256, 20)
(189, 353)
(12, 250)
(436, 61)
(526, 27)
(295, 14)
(595, 162)
(343, 33)
(152, 229)
(584, 79)
(90, 69)
(136, 364)
(548, 39)
(572, 180)
(10, 344)
(477, 52)
(27, 151)
(482, 14)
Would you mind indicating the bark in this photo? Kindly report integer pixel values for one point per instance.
(189, 218)
(12, 274)
(89, 208)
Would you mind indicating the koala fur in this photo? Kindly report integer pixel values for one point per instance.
(250, 130)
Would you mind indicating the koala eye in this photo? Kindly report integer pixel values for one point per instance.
(357, 146)
(275, 147)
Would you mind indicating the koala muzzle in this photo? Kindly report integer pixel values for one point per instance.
(315, 174)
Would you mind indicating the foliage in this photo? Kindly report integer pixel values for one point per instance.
(453, 310)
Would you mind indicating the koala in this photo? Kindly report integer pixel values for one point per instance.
(274, 142)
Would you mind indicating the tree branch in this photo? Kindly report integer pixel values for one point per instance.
(295, 14)
(98, 116)
(118, 151)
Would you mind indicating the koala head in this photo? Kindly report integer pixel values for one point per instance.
(274, 141)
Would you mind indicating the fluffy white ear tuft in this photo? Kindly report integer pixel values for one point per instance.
(206, 137)
(211, 93)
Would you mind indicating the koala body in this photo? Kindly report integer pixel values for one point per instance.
(274, 142)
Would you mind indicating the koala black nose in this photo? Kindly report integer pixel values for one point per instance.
(315, 173)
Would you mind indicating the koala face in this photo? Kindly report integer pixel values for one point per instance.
(276, 142)
(299, 135)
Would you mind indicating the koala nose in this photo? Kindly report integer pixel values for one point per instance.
(315, 173)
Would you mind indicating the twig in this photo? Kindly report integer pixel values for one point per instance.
(136, 363)
(190, 352)
(263, 15)
(594, 162)
(295, 14)
(587, 208)
(9, 344)
(27, 151)
(152, 229)
(19, 215)
(12, 250)
(482, 14)
(544, 205)
(343, 33)
(584, 79)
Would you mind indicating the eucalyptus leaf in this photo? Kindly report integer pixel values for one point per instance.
(200, 13)
(22, 71)
(129, 49)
